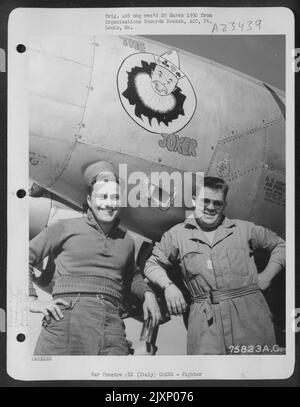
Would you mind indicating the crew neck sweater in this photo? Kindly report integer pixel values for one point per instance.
(87, 260)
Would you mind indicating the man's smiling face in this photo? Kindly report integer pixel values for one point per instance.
(209, 207)
(105, 201)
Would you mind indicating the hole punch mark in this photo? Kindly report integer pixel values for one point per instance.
(21, 337)
(21, 48)
(21, 193)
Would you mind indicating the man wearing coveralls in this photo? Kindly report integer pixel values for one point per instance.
(228, 312)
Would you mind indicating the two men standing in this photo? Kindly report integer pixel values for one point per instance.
(96, 268)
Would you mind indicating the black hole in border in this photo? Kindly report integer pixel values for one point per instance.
(21, 48)
(21, 193)
(21, 338)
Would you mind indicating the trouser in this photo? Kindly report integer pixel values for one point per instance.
(241, 325)
(91, 326)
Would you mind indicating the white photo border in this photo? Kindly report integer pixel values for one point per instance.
(26, 22)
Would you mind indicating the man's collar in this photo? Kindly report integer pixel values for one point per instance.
(228, 223)
(90, 219)
(191, 222)
(221, 232)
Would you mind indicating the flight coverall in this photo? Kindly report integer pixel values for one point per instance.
(228, 312)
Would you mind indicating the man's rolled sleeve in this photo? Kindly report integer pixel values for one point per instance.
(165, 253)
(264, 239)
(134, 281)
(164, 256)
(41, 246)
(139, 286)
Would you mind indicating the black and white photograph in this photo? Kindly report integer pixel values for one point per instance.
(154, 195)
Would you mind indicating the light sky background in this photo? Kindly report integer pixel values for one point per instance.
(259, 56)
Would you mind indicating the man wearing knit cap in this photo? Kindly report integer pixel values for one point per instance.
(95, 269)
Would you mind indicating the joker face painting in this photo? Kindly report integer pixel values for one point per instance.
(152, 89)
(163, 81)
(154, 93)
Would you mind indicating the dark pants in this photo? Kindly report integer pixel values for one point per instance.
(91, 326)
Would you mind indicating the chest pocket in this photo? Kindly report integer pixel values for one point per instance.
(194, 258)
(238, 260)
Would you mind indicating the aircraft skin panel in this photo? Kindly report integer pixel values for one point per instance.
(53, 129)
(253, 166)
(55, 112)
(242, 194)
(63, 48)
(239, 161)
(54, 120)
(275, 146)
(244, 105)
(58, 79)
(269, 204)
(48, 159)
(239, 154)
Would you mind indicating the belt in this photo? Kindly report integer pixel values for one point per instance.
(105, 297)
(217, 296)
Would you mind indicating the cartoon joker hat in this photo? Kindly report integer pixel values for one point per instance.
(170, 61)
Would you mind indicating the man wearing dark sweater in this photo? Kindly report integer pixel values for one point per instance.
(95, 269)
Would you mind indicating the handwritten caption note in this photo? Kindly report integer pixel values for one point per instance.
(129, 21)
(17, 306)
